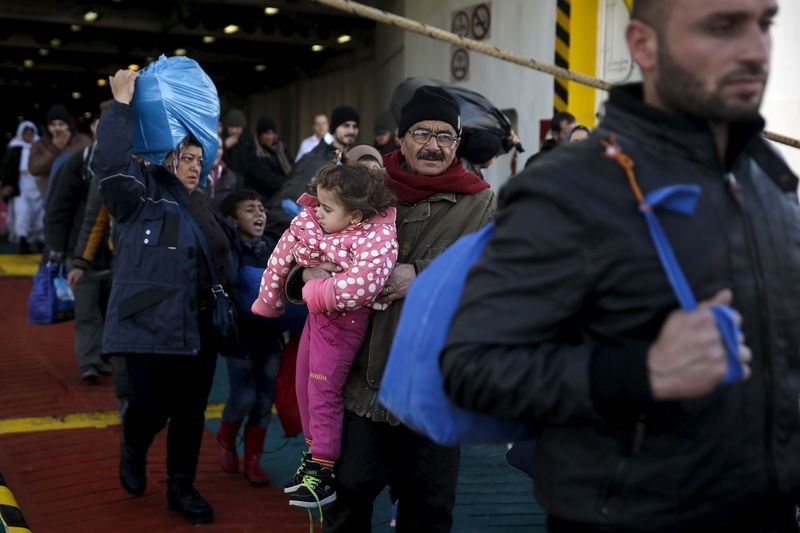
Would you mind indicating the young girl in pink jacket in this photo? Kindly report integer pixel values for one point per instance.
(349, 223)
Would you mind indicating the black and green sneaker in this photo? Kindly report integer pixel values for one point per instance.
(317, 489)
(297, 479)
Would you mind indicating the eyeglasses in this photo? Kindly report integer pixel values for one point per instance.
(444, 139)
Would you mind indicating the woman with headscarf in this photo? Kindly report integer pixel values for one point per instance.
(20, 190)
(159, 315)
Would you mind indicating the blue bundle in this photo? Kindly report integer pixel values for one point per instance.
(175, 97)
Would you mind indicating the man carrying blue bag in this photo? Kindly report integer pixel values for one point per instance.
(652, 413)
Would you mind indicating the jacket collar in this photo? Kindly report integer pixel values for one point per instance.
(685, 135)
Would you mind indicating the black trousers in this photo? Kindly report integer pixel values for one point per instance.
(174, 388)
(422, 475)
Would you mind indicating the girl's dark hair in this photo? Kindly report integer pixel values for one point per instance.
(356, 188)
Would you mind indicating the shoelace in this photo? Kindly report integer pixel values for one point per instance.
(311, 483)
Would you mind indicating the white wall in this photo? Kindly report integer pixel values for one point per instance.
(523, 26)
(781, 106)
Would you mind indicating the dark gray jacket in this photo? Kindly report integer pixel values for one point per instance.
(557, 317)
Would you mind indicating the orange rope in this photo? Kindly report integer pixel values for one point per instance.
(613, 151)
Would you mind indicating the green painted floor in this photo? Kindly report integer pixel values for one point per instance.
(491, 496)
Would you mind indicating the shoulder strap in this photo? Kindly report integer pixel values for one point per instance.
(201, 239)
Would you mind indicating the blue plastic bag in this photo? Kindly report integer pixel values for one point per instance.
(175, 97)
(51, 300)
(413, 386)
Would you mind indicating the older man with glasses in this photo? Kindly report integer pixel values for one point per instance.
(439, 201)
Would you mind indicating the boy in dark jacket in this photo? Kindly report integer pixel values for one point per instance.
(252, 372)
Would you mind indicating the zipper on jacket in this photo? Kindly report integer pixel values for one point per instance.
(617, 482)
(736, 192)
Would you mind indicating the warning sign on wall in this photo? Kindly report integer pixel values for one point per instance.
(473, 22)
(459, 64)
(481, 21)
(460, 23)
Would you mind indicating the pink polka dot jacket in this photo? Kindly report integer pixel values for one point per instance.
(365, 251)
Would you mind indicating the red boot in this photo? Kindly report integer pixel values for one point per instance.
(226, 439)
(253, 448)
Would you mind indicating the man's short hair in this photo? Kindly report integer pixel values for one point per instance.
(651, 12)
(232, 201)
(558, 118)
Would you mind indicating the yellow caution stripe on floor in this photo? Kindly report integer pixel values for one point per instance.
(99, 419)
(10, 513)
(19, 265)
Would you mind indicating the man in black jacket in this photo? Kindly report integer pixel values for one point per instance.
(63, 220)
(568, 320)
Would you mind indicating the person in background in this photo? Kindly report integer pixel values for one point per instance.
(269, 165)
(577, 133)
(221, 180)
(561, 123)
(344, 127)
(648, 418)
(365, 154)
(18, 188)
(478, 150)
(60, 138)
(237, 143)
(64, 216)
(253, 370)
(159, 314)
(92, 257)
(320, 128)
(547, 145)
(384, 140)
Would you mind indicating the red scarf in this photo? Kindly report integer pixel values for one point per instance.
(414, 187)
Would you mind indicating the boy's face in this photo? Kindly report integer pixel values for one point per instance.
(250, 219)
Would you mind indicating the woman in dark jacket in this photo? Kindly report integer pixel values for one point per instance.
(159, 313)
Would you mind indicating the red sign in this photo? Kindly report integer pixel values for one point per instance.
(459, 64)
(481, 21)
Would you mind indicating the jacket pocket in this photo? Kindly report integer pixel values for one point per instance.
(436, 248)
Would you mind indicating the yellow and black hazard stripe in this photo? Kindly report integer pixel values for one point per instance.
(11, 517)
(560, 93)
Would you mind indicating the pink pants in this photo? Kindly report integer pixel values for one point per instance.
(327, 348)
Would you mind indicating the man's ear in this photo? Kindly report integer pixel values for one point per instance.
(233, 220)
(356, 217)
(642, 42)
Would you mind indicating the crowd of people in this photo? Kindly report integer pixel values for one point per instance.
(568, 321)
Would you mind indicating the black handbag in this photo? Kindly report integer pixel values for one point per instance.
(223, 316)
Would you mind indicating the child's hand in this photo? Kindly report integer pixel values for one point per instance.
(321, 271)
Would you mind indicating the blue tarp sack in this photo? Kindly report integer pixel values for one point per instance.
(413, 387)
(294, 317)
(51, 300)
(175, 97)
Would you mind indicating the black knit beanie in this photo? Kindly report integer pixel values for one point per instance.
(57, 112)
(429, 103)
(266, 124)
(342, 114)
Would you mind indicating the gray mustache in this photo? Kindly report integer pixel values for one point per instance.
(431, 156)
